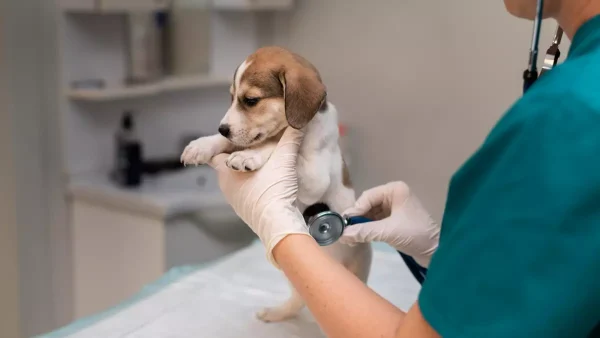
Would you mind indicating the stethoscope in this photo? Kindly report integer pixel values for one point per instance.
(328, 226)
(530, 75)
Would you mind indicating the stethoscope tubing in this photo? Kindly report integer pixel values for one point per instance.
(419, 272)
(530, 75)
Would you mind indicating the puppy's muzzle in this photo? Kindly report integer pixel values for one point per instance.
(225, 130)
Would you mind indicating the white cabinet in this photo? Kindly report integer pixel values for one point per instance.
(115, 253)
(124, 239)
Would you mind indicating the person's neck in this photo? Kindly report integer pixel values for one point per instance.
(572, 14)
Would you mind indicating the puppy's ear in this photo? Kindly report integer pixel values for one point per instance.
(304, 93)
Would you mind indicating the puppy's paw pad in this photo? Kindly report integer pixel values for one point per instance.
(271, 315)
(197, 152)
(245, 161)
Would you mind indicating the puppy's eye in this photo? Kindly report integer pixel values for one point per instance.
(251, 101)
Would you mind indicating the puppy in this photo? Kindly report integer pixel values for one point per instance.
(272, 89)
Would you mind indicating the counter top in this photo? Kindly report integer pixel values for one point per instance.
(166, 195)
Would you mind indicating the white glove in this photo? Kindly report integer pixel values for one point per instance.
(265, 199)
(400, 221)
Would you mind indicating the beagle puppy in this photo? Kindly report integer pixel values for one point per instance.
(272, 89)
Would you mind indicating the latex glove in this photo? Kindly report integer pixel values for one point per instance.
(400, 220)
(265, 199)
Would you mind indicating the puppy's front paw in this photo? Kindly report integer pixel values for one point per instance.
(245, 160)
(199, 151)
(274, 314)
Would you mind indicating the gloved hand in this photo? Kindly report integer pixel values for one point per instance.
(265, 199)
(399, 220)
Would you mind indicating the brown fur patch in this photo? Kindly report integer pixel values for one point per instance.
(346, 175)
(278, 72)
(234, 75)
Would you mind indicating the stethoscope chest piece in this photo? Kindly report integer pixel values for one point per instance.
(326, 227)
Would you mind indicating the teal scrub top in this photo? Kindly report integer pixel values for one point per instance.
(519, 252)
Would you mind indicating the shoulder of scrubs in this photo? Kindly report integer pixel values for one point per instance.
(520, 240)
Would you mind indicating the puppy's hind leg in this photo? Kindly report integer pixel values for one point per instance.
(360, 265)
(289, 309)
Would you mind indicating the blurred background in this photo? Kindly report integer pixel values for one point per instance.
(99, 97)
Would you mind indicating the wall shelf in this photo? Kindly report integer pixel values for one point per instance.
(252, 5)
(124, 6)
(112, 6)
(173, 84)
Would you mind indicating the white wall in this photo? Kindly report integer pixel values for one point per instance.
(32, 200)
(420, 83)
(9, 282)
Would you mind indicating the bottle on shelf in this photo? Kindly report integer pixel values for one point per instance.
(146, 46)
(128, 154)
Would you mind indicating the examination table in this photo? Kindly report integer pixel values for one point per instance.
(220, 300)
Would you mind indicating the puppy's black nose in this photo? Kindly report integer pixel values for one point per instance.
(224, 130)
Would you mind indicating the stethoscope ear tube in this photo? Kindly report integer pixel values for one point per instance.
(530, 75)
(553, 52)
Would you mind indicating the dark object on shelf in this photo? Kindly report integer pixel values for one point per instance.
(156, 166)
(129, 154)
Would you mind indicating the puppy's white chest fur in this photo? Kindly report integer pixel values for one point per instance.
(316, 157)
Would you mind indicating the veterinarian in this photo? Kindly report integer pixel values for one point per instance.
(518, 254)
